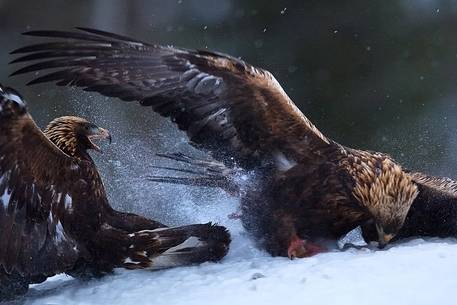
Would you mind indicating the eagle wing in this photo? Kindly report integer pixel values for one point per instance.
(238, 112)
(35, 183)
(438, 186)
(434, 211)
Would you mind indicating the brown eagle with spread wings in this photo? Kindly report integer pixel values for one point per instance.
(305, 188)
(54, 214)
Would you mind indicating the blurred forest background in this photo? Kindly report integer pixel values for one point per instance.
(378, 75)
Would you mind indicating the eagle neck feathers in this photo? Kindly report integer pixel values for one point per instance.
(62, 132)
(380, 185)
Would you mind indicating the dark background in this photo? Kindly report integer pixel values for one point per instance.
(378, 75)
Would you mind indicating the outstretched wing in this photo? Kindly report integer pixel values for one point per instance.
(35, 183)
(237, 111)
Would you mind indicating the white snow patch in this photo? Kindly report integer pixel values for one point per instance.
(416, 273)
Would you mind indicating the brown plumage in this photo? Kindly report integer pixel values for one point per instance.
(432, 214)
(306, 186)
(54, 214)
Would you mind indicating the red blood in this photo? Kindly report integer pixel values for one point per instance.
(303, 248)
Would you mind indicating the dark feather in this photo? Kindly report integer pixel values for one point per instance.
(432, 214)
(205, 93)
(35, 178)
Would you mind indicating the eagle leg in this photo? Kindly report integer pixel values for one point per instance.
(299, 248)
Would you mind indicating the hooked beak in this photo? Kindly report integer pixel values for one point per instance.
(100, 133)
(383, 238)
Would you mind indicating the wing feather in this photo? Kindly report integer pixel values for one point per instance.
(238, 112)
(35, 177)
(434, 211)
(439, 185)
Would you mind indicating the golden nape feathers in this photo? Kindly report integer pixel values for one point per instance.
(382, 187)
(74, 135)
(65, 133)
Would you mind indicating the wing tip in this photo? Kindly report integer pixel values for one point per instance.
(34, 33)
(19, 72)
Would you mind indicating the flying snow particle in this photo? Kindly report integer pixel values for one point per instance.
(258, 43)
(292, 69)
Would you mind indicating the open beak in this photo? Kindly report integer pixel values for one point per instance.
(99, 134)
(383, 238)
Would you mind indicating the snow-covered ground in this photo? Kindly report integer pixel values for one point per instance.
(416, 272)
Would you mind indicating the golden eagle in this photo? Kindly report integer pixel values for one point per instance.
(54, 214)
(307, 188)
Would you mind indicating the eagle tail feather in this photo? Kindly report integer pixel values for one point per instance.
(177, 246)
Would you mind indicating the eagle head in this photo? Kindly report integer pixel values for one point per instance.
(387, 192)
(75, 135)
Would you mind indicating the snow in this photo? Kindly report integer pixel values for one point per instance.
(415, 272)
